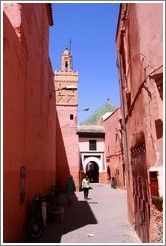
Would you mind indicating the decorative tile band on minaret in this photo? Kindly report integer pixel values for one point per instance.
(66, 77)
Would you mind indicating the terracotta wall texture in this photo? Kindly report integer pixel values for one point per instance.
(114, 148)
(140, 51)
(29, 116)
(67, 145)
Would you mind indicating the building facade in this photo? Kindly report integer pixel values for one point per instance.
(100, 146)
(139, 43)
(114, 153)
(66, 83)
(92, 156)
(28, 114)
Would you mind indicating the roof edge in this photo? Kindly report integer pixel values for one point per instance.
(50, 17)
(120, 8)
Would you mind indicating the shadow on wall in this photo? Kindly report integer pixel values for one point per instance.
(76, 215)
(62, 166)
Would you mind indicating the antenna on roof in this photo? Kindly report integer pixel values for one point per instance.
(70, 46)
(70, 54)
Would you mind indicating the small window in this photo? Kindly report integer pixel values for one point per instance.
(159, 128)
(92, 144)
(154, 187)
(71, 116)
(66, 64)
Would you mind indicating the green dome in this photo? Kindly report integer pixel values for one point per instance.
(93, 119)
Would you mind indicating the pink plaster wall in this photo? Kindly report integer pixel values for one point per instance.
(140, 40)
(103, 178)
(151, 32)
(141, 60)
(84, 144)
(113, 146)
(67, 145)
(29, 118)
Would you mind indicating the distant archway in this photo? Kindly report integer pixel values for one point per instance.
(92, 170)
(92, 160)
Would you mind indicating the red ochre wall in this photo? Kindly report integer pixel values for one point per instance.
(28, 115)
(67, 145)
(113, 147)
(142, 51)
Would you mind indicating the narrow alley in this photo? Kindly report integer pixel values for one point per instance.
(100, 219)
(113, 68)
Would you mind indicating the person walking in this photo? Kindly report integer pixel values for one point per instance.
(86, 186)
(113, 183)
(70, 188)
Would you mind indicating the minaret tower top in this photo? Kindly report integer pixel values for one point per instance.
(66, 63)
(65, 80)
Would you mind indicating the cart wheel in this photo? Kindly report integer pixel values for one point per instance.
(35, 227)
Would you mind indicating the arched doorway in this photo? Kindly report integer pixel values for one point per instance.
(92, 170)
(92, 166)
(108, 173)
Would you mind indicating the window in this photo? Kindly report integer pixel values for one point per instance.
(66, 66)
(92, 144)
(159, 128)
(159, 83)
(154, 187)
(71, 116)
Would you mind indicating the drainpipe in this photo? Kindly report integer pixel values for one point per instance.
(125, 142)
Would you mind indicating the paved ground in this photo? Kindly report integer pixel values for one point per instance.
(100, 219)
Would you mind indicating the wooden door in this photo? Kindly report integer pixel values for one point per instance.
(140, 192)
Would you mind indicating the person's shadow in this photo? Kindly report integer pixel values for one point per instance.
(76, 215)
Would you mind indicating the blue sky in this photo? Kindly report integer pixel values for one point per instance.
(92, 30)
